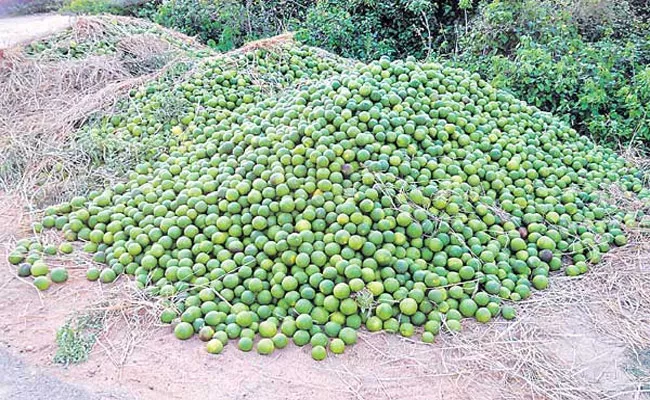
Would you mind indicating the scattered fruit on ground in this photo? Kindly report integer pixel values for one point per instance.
(42, 282)
(59, 275)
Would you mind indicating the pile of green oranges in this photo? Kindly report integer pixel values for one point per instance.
(297, 196)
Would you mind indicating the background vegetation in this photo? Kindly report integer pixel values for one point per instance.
(587, 60)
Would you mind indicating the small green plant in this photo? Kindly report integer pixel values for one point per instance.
(366, 301)
(76, 338)
(227, 24)
(638, 368)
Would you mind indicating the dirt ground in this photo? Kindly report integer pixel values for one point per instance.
(19, 29)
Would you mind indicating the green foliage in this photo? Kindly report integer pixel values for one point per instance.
(93, 7)
(76, 338)
(369, 29)
(536, 50)
(361, 29)
(211, 21)
(226, 24)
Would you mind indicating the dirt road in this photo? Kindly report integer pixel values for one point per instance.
(21, 382)
(15, 30)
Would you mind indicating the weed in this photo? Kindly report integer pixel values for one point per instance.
(76, 338)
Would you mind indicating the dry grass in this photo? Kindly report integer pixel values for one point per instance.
(44, 99)
(265, 44)
(129, 317)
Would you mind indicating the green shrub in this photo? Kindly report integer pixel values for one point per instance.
(368, 29)
(93, 7)
(542, 54)
(218, 21)
(226, 24)
(362, 29)
(76, 338)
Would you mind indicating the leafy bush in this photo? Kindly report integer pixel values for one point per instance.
(76, 338)
(218, 21)
(93, 7)
(542, 54)
(362, 29)
(368, 29)
(226, 24)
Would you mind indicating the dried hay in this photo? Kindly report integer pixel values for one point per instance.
(265, 44)
(129, 317)
(44, 99)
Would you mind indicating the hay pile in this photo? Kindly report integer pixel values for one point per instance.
(51, 86)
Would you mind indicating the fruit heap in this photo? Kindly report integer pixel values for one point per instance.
(296, 195)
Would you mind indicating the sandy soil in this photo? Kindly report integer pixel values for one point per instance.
(19, 29)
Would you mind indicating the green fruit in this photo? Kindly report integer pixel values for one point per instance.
(337, 346)
(245, 344)
(183, 330)
(39, 268)
(280, 341)
(572, 270)
(42, 282)
(66, 248)
(168, 315)
(467, 307)
(206, 333)
(301, 338)
(540, 282)
(214, 346)
(265, 346)
(50, 250)
(107, 276)
(318, 353)
(59, 275)
(428, 337)
(15, 258)
(408, 306)
(508, 312)
(304, 322)
(348, 335)
(483, 315)
(24, 270)
(222, 337)
(92, 274)
(318, 339)
(454, 325)
(267, 329)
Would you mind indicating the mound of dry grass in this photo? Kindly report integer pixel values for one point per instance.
(45, 96)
